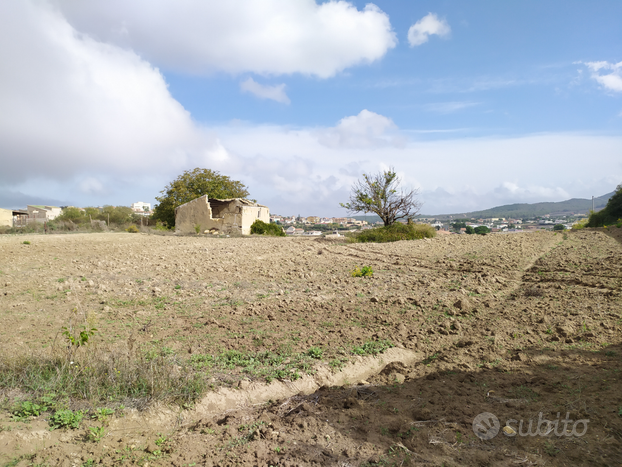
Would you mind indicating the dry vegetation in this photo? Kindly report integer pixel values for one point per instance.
(509, 324)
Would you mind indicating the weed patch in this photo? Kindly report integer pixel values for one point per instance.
(365, 271)
(372, 347)
(394, 233)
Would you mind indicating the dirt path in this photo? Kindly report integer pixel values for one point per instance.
(514, 325)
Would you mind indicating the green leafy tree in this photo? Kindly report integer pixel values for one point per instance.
(559, 227)
(92, 212)
(470, 230)
(71, 214)
(610, 214)
(380, 193)
(191, 185)
(481, 230)
(116, 214)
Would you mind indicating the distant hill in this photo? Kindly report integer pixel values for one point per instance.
(523, 210)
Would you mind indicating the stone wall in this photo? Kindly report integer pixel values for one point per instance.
(224, 216)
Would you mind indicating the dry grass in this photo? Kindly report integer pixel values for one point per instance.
(94, 376)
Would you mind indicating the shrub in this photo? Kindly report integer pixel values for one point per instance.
(481, 230)
(26, 242)
(132, 229)
(365, 271)
(580, 225)
(396, 232)
(262, 228)
(161, 226)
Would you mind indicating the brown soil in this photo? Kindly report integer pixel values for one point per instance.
(515, 325)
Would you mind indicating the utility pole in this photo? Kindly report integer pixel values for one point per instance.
(592, 203)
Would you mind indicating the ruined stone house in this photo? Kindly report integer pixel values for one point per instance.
(219, 215)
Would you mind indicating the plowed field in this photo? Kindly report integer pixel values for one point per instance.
(526, 327)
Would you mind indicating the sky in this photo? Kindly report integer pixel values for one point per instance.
(475, 104)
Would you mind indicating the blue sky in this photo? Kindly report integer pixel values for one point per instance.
(476, 104)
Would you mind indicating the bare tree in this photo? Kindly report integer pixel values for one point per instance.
(380, 193)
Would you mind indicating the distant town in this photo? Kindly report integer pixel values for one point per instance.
(315, 225)
(318, 225)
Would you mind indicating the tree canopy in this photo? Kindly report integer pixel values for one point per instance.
(380, 193)
(116, 214)
(191, 185)
(611, 213)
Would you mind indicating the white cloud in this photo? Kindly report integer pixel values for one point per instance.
(260, 36)
(474, 173)
(610, 81)
(71, 104)
(430, 24)
(365, 130)
(275, 93)
(448, 107)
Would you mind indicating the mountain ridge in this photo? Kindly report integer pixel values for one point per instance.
(525, 210)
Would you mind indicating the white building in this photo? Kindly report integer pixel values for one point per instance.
(221, 215)
(39, 213)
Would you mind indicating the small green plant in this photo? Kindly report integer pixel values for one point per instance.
(279, 450)
(103, 413)
(550, 449)
(197, 228)
(430, 359)
(177, 287)
(61, 280)
(132, 229)
(66, 419)
(96, 433)
(372, 347)
(28, 409)
(315, 352)
(365, 271)
(80, 339)
(26, 242)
